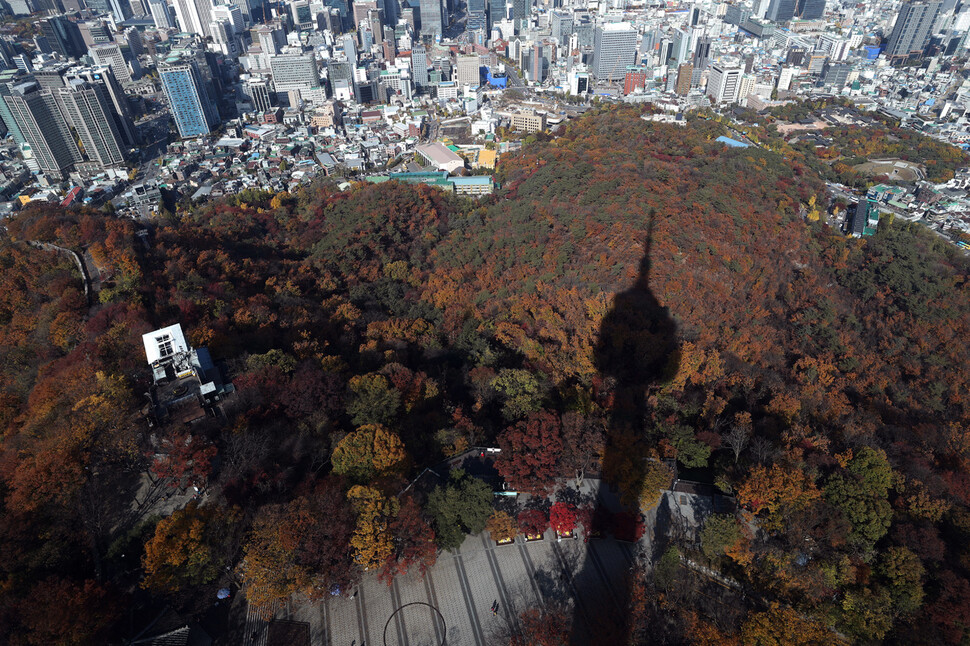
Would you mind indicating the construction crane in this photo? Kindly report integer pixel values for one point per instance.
(609, 79)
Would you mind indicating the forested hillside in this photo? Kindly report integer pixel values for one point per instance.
(370, 333)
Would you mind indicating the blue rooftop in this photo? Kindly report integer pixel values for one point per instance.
(471, 180)
(733, 143)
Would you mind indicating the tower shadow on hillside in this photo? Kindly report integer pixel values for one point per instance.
(636, 352)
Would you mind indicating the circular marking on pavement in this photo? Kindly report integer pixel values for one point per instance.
(441, 618)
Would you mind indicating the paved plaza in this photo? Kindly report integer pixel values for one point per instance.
(452, 604)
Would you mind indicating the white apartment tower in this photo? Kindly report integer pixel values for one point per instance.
(109, 54)
(724, 83)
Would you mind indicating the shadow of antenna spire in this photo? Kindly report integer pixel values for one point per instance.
(644, 274)
(635, 353)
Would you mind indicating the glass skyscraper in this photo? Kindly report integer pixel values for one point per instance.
(432, 26)
(187, 98)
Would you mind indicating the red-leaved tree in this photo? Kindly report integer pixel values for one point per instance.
(530, 453)
(628, 526)
(414, 543)
(562, 517)
(187, 459)
(532, 522)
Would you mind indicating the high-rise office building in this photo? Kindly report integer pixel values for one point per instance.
(20, 7)
(48, 6)
(231, 13)
(63, 36)
(695, 16)
(22, 63)
(583, 28)
(120, 9)
(343, 7)
(40, 121)
(478, 11)
(350, 48)
(329, 20)
(680, 49)
(301, 14)
(913, 28)
(294, 72)
(135, 43)
(419, 66)
(781, 10)
(41, 46)
(98, 6)
(562, 26)
(257, 89)
(796, 55)
(187, 97)
(360, 9)
(94, 32)
(224, 38)
(271, 39)
(88, 109)
(194, 16)
(391, 11)
(341, 74)
(521, 10)
(105, 79)
(664, 49)
(161, 14)
(432, 24)
(110, 54)
(375, 20)
(497, 10)
(469, 70)
(685, 75)
(51, 77)
(702, 52)
(614, 49)
(724, 84)
(9, 79)
(810, 9)
(736, 14)
(836, 75)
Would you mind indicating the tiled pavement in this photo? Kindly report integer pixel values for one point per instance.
(454, 600)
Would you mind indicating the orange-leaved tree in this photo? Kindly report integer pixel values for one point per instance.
(774, 493)
(184, 551)
(501, 526)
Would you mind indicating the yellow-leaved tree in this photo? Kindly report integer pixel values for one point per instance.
(371, 452)
(371, 541)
